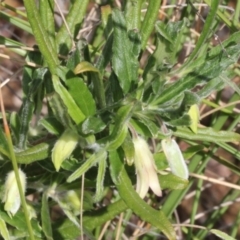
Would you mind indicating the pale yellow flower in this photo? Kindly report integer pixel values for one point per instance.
(145, 169)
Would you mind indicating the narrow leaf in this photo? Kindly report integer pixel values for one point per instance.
(207, 134)
(73, 110)
(210, 69)
(102, 165)
(85, 67)
(90, 162)
(81, 95)
(59, 110)
(45, 216)
(133, 201)
(45, 46)
(149, 20)
(33, 154)
(46, 10)
(221, 234)
(123, 61)
(171, 181)
(3, 230)
(74, 19)
(207, 29)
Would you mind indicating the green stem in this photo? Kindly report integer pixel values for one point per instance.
(149, 20)
(15, 168)
(195, 208)
(41, 36)
(236, 15)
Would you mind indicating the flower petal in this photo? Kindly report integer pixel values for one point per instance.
(142, 183)
(154, 184)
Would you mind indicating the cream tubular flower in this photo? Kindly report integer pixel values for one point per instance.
(11, 195)
(145, 169)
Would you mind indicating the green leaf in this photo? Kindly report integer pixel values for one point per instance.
(140, 128)
(18, 222)
(59, 110)
(169, 41)
(41, 35)
(45, 216)
(74, 111)
(18, 22)
(92, 125)
(30, 102)
(76, 55)
(85, 67)
(68, 230)
(152, 127)
(124, 62)
(102, 165)
(98, 86)
(132, 199)
(74, 19)
(133, 14)
(207, 29)
(3, 230)
(191, 151)
(106, 54)
(120, 129)
(94, 219)
(46, 10)
(17, 45)
(160, 161)
(173, 182)
(149, 20)
(33, 154)
(207, 134)
(25, 118)
(211, 68)
(221, 234)
(90, 162)
(81, 95)
(52, 125)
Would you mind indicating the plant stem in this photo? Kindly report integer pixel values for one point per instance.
(15, 168)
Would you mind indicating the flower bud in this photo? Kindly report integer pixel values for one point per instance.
(145, 169)
(64, 147)
(11, 195)
(175, 158)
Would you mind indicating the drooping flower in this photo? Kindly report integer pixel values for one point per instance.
(145, 169)
(11, 195)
